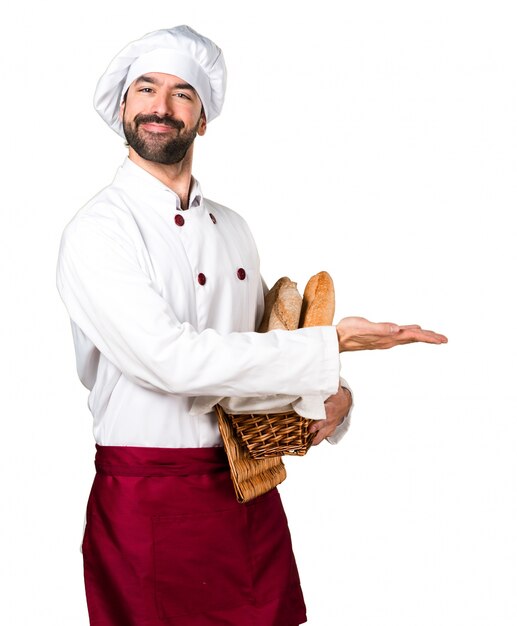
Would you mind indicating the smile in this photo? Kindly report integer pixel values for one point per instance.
(152, 127)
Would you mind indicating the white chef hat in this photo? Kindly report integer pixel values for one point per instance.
(179, 51)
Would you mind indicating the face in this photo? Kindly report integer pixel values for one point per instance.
(161, 116)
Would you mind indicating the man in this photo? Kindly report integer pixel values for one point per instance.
(164, 291)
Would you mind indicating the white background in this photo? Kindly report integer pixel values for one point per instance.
(378, 143)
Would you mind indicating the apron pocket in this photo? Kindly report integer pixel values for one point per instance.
(201, 562)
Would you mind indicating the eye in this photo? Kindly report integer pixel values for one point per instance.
(145, 90)
(180, 94)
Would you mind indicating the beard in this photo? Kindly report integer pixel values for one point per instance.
(159, 147)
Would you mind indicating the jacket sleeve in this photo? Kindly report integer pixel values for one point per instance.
(113, 301)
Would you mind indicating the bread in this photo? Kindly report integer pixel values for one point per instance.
(318, 301)
(283, 304)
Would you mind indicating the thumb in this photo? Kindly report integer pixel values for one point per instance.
(387, 328)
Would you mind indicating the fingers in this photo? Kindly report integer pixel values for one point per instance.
(319, 438)
(417, 334)
(423, 335)
(324, 428)
(409, 333)
(319, 427)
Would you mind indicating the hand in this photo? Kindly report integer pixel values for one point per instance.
(357, 333)
(336, 409)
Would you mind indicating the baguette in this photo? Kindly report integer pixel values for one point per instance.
(283, 304)
(318, 301)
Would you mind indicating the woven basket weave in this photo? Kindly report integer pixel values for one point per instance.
(251, 477)
(273, 434)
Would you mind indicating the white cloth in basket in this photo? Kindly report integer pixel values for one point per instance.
(312, 407)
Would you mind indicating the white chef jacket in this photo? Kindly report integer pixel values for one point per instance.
(163, 305)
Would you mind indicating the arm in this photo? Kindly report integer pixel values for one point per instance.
(116, 305)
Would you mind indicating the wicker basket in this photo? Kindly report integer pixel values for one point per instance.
(256, 442)
(273, 434)
(251, 477)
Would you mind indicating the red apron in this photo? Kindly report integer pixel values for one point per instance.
(166, 542)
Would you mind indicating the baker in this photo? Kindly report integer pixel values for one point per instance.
(164, 293)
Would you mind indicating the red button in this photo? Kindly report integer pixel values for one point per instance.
(212, 217)
(201, 279)
(179, 220)
(241, 273)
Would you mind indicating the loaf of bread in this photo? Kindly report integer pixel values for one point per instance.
(319, 302)
(283, 304)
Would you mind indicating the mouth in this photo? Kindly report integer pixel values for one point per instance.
(153, 127)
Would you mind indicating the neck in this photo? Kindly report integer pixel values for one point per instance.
(176, 176)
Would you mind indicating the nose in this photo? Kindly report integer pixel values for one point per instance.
(162, 104)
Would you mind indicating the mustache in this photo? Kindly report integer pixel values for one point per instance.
(156, 119)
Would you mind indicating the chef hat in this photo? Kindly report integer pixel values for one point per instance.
(179, 51)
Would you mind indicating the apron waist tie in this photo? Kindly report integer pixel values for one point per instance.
(138, 461)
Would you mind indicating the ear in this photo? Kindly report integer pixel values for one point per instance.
(121, 110)
(202, 124)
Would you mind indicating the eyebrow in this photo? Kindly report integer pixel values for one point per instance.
(153, 81)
